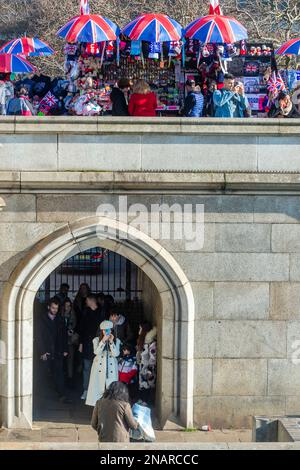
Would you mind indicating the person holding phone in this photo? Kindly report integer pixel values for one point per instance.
(105, 364)
(231, 100)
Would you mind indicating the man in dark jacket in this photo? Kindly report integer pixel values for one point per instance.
(88, 328)
(52, 346)
(121, 329)
(119, 98)
(194, 101)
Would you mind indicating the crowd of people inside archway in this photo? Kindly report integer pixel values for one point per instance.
(92, 336)
(38, 94)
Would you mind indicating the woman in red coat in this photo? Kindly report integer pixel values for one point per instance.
(143, 101)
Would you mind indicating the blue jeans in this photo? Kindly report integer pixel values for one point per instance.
(87, 365)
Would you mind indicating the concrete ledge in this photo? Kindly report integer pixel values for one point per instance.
(93, 181)
(112, 125)
(152, 447)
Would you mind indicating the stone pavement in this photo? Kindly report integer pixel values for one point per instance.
(44, 432)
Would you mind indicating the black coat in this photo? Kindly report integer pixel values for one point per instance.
(88, 329)
(51, 336)
(119, 104)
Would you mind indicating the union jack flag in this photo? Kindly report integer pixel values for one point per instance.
(84, 7)
(276, 84)
(48, 102)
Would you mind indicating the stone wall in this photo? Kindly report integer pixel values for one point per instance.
(148, 144)
(245, 280)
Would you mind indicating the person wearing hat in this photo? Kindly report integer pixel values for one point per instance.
(105, 365)
(194, 101)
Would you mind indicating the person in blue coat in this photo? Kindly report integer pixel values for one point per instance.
(194, 101)
(230, 101)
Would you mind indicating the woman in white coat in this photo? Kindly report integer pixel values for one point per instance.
(105, 365)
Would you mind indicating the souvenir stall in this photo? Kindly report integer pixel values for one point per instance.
(211, 43)
(153, 53)
(91, 40)
(252, 65)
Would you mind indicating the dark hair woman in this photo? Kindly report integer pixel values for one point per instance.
(79, 301)
(112, 416)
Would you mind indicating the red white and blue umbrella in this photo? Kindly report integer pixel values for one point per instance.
(217, 29)
(90, 29)
(291, 47)
(153, 28)
(11, 63)
(27, 47)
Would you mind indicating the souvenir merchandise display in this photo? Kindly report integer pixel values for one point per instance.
(252, 65)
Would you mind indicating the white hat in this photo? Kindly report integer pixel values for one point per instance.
(106, 325)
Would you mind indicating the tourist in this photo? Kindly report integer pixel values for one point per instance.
(63, 293)
(120, 97)
(143, 102)
(20, 105)
(109, 302)
(128, 369)
(193, 103)
(146, 360)
(6, 92)
(208, 110)
(112, 416)
(105, 365)
(79, 302)
(230, 101)
(121, 327)
(283, 107)
(87, 331)
(101, 304)
(69, 317)
(296, 96)
(52, 346)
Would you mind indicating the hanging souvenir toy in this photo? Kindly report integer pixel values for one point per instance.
(136, 48)
(243, 47)
(155, 50)
(110, 50)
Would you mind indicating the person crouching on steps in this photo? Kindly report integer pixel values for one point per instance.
(112, 416)
(105, 365)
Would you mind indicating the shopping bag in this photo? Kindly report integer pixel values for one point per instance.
(142, 415)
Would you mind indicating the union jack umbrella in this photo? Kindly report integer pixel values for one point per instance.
(291, 47)
(216, 29)
(27, 47)
(11, 63)
(90, 29)
(153, 28)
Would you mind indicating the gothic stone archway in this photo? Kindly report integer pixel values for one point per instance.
(175, 384)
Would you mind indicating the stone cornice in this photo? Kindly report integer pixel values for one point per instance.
(64, 182)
